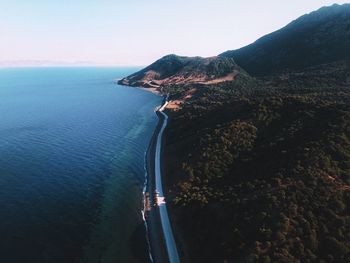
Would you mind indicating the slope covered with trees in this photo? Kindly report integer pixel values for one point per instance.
(261, 175)
(258, 169)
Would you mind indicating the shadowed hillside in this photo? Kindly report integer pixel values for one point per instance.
(320, 37)
(258, 169)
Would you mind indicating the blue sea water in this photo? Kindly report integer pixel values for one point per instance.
(72, 147)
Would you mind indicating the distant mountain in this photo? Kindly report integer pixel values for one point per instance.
(322, 36)
(47, 63)
(173, 69)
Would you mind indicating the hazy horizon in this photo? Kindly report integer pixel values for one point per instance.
(136, 33)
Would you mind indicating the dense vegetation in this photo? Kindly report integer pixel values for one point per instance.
(261, 173)
(258, 169)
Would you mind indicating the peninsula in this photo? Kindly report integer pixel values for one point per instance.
(256, 158)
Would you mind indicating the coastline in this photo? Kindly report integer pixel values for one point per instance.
(161, 242)
(154, 231)
(155, 211)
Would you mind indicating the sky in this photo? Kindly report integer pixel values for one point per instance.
(136, 32)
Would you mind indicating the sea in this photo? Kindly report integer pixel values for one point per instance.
(72, 165)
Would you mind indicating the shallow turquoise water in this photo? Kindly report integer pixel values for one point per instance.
(72, 146)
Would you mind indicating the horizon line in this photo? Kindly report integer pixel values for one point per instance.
(65, 65)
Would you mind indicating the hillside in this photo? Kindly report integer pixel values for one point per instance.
(320, 37)
(176, 70)
(259, 171)
(261, 175)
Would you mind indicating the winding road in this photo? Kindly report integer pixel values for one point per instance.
(164, 219)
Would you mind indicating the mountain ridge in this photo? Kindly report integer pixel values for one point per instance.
(260, 171)
(180, 70)
(320, 37)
